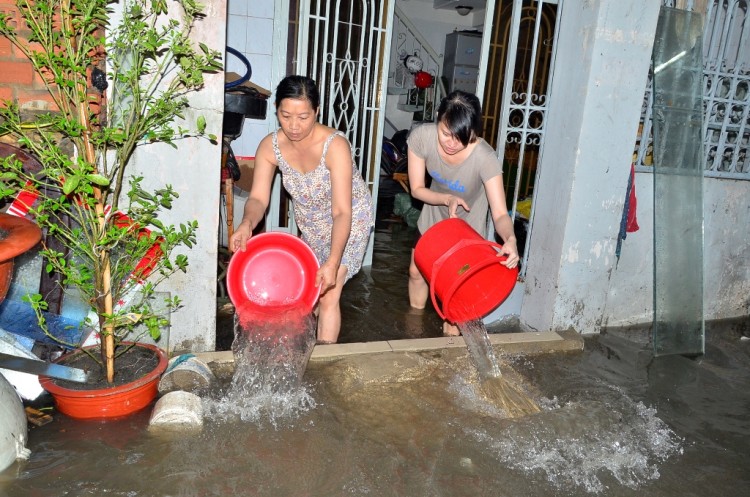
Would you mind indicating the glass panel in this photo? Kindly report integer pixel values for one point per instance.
(678, 184)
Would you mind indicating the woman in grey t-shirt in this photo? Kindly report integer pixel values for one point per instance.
(467, 181)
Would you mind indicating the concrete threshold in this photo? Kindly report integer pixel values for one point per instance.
(512, 343)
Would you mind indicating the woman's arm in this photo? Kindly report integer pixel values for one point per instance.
(417, 171)
(501, 219)
(260, 195)
(339, 162)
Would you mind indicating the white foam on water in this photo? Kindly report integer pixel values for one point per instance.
(581, 446)
(585, 445)
(469, 394)
(270, 361)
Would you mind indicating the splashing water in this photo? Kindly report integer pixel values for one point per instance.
(271, 352)
(582, 446)
(509, 397)
(621, 440)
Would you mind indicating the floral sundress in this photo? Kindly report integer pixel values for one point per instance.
(311, 197)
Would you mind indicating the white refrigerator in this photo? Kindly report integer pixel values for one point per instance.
(461, 60)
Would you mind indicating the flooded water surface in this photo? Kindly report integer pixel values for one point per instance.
(613, 421)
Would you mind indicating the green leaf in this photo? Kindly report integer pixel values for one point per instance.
(70, 184)
(98, 179)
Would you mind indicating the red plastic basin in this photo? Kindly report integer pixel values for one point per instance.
(276, 271)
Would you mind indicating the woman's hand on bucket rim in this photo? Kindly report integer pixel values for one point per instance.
(240, 237)
(511, 251)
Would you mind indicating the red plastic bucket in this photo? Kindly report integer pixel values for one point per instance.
(274, 274)
(463, 270)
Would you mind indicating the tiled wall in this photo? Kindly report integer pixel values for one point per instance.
(250, 31)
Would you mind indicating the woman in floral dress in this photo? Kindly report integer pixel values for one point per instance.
(332, 204)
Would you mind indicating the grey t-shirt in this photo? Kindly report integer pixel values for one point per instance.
(465, 180)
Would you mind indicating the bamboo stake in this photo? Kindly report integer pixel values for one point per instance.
(104, 279)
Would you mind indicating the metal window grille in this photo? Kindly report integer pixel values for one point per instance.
(726, 94)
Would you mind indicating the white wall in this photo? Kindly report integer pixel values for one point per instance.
(434, 24)
(597, 88)
(726, 267)
(193, 169)
(726, 247)
(574, 279)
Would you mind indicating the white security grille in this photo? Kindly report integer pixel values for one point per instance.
(726, 92)
(341, 49)
(726, 52)
(523, 109)
(341, 45)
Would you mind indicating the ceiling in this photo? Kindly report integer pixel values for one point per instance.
(452, 4)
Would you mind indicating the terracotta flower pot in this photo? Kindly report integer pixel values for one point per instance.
(113, 402)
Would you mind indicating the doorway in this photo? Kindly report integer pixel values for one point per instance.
(356, 52)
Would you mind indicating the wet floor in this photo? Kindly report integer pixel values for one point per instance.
(614, 422)
(375, 302)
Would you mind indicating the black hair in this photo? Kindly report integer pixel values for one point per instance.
(299, 87)
(461, 113)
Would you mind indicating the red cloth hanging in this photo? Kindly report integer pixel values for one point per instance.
(632, 223)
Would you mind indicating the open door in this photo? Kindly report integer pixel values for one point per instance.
(342, 46)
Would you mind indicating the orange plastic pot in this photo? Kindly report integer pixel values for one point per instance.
(114, 402)
(463, 270)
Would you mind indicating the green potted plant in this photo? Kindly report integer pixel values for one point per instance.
(119, 80)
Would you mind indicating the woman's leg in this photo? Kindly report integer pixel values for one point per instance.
(418, 292)
(418, 289)
(329, 310)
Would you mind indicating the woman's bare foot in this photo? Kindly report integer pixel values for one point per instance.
(450, 330)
